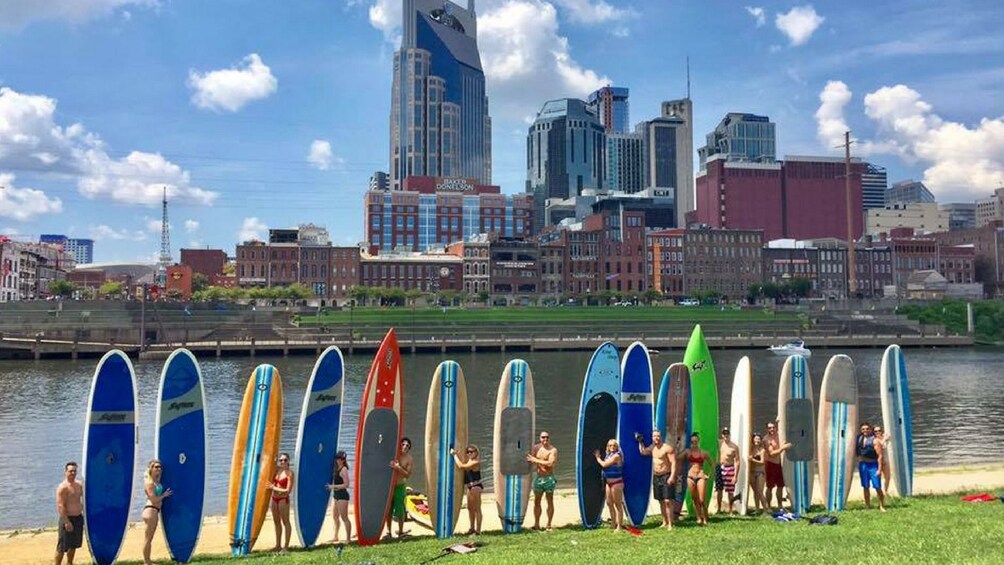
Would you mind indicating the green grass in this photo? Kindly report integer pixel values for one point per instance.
(988, 317)
(939, 529)
(516, 315)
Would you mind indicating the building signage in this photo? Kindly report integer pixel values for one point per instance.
(454, 185)
(516, 264)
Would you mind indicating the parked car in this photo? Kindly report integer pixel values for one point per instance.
(690, 302)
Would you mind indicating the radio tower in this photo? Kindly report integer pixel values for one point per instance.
(165, 244)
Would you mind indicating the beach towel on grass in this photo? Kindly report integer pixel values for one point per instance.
(981, 497)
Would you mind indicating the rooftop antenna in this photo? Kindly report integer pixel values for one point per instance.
(165, 244)
(688, 77)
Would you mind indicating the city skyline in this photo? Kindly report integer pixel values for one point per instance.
(280, 116)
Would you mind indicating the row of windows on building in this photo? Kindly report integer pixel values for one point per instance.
(281, 271)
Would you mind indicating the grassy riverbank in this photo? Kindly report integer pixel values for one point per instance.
(988, 317)
(921, 530)
(391, 316)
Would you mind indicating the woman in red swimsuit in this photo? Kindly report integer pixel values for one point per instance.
(282, 484)
(697, 478)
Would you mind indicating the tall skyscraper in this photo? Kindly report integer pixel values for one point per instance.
(439, 122)
(625, 162)
(565, 152)
(874, 183)
(908, 192)
(81, 249)
(610, 104)
(683, 109)
(741, 137)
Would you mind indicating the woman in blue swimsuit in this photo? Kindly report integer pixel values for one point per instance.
(155, 495)
(613, 476)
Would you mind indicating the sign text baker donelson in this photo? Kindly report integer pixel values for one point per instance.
(454, 185)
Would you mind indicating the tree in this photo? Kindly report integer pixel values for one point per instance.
(199, 282)
(229, 269)
(449, 296)
(652, 295)
(360, 294)
(799, 287)
(62, 288)
(413, 294)
(111, 289)
(484, 296)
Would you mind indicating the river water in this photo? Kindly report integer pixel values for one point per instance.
(957, 398)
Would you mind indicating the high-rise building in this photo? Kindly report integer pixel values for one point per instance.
(908, 192)
(439, 122)
(741, 137)
(990, 209)
(610, 104)
(565, 151)
(874, 183)
(379, 180)
(81, 249)
(625, 162)
(683, 109)
(961, 215)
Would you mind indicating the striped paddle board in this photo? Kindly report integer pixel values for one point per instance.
(445, 429)
(512, 440)
(598, 418)
(704, 401)
(110, 442)
(897, 419)
(378, 440)
(673, 418)
(796, 425)
(256, 445)
(741, 427)
(838, 425)
(636, 417)
(316, 444)
(180, 445)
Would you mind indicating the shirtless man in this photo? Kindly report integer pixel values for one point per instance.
(544, 456)
(728, 468)
(402, 471)
(664, 473)
(775, 476)
(71, 514)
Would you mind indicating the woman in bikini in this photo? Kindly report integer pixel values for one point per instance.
(282, 484)
(758, 474)
(155, 495)
(886, 441)
(471, 466)
(339, 488)
(697, 478)
(613, 475)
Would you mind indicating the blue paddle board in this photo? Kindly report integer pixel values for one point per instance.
(110, 442)
(636, 417)
(673, 418)
(445, 429)
(897, 419)
(180, 445)
(317, 443)
(598, 418)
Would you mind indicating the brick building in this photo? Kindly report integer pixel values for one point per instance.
(206, 262)
(988, 248)
(179, 279)
(623, 251)
(515, 270)
(476, 264)
(299, 256)
(725, 261)
(412, 271)
(665, 261)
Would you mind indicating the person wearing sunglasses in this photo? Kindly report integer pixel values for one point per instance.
(544, 457)
(727, 470)
(339, 488)
(282, 485)
(886, 441)
(155, 495)
(402, 472)
(471, 466)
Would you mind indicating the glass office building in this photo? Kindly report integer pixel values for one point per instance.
(610, 104)
(439, 122)
(874, 183)
(741, 137)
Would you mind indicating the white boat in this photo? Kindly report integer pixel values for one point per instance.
(793, 347)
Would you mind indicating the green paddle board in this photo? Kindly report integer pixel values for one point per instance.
(704, 400)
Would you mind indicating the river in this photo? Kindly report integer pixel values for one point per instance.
(957, 398)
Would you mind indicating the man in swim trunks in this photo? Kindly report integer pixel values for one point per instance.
(727, 470)
(544, 456)
(402, 471)
(870, 453)
(71, 514)
(775, 477)
(664, 473)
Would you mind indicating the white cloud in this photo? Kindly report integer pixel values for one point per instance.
(758, 14)
(525, 57)
(799, 23)
(191, 226)
(16, 13)
(23, 204)
(961, 162)
(104, 232)
(527, 61)
(598, 12)
(153, 226)
(252, 228)
(230, 89)
(830, 123)
(320, 155)
(31, 140)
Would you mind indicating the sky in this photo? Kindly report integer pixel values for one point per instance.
(272, 114)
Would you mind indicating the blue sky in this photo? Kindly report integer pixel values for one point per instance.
(272, 114)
